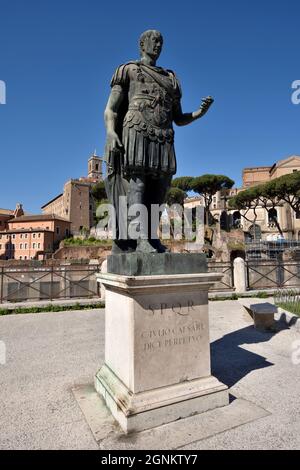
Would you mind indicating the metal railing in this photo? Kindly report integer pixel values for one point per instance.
(20, 284)
(226, 268)
(280, 244)
(272, 274)
(264, 249)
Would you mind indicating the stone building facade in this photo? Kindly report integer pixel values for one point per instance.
(8, 214)
(76, 202)
(32, 236)
(263, 228)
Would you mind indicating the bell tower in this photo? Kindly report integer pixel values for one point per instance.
(95, 167)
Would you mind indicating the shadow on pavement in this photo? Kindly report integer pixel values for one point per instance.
(231, 362)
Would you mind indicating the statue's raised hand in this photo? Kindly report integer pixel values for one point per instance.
(206, 104)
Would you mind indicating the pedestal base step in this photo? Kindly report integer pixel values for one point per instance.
(152, 408)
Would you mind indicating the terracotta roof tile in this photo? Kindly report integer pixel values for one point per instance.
(36, 218)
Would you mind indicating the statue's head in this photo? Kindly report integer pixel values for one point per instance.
(151, 42)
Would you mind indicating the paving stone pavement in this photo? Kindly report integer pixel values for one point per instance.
(48, 354)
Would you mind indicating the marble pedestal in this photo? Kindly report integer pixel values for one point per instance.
(157, 353)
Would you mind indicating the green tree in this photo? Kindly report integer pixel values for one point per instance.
(208, 185)
(183, 182)
(270, 199)
(269, 195)
(99, 194)
(98, 191)
(288, 189)
(246, 201)
(175, 196)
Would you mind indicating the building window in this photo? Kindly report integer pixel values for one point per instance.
(67, 232)
(97, 166)
(21, 236)
(255, 232)
(21, 246)
(25, 246)
(39, 245)
(297, 214)
(39, 235)
(33, 245)
(25, 235)
(20, 257)
(57, 230)
(33, 235)
(0, 237)
(236, 220)
(272, 217)
(295, 171)
(0, 247)
(14, 236)
(25, 257)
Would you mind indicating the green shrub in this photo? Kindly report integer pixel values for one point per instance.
(288, 300)
(51, 308)
(91, 241)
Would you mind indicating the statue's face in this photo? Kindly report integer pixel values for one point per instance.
(152, 45)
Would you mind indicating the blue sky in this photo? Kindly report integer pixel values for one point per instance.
(57, 58)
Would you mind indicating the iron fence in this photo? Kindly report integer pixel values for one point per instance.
(19, 284)
(227, 281)
(272, 274)
(267, 249)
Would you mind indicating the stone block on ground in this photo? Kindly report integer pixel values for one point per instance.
(262, 314)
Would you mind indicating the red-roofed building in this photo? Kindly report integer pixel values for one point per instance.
(32, 236)
(8, 214)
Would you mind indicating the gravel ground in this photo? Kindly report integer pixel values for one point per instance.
(47, 354)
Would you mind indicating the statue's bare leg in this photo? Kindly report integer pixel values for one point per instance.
(157, 188)
(139, 222)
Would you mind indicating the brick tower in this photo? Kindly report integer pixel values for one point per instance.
(95, 168)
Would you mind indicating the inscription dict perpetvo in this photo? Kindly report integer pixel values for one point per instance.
(167, 337)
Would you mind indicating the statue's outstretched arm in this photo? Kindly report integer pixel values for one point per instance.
(182, 119)
(111, 115)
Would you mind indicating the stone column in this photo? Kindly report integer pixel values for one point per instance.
(102, 287)
(239, 275)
